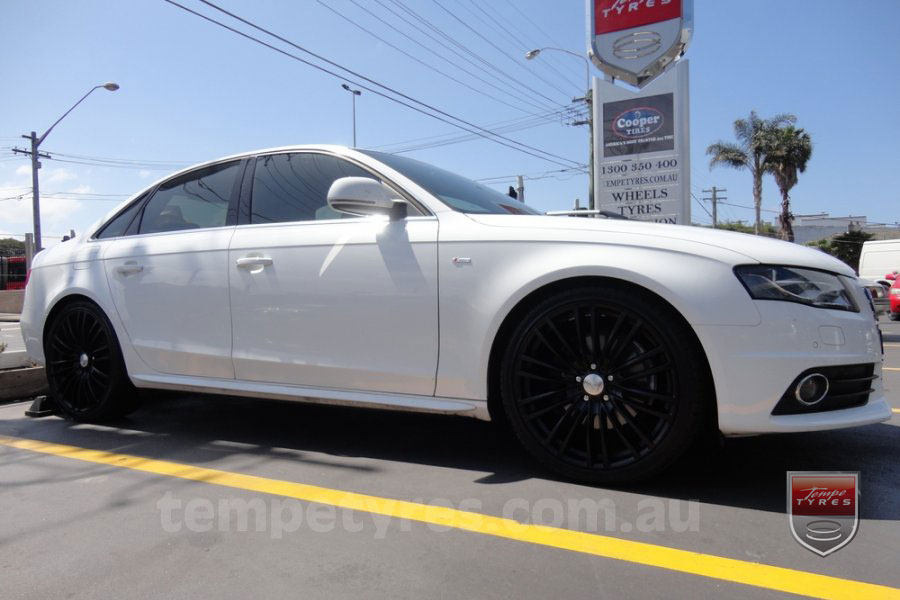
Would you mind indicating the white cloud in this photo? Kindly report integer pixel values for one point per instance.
(23, 170)
(58, 175)
(144, 173)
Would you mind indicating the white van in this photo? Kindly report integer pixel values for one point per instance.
(879, 258)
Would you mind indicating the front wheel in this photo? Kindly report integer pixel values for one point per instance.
(604, 384)
(85, 370)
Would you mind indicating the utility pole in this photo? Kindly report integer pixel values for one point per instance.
(588, 100)
(589, 121)
(36, 163)
(35, 184)
(520, 188)
(715, 200)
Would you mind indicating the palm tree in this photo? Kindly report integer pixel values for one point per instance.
(790, 148)
(750, 151)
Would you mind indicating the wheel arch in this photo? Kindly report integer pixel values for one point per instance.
(60, 303)
(502, 336)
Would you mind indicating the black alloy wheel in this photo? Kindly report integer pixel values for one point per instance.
(603, 384)
(85, 370)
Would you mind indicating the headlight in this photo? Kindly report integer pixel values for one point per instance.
(794, 284)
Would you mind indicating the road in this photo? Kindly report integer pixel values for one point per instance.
(182, 519)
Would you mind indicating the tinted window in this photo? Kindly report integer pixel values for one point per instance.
(118, 225)
(294, 187)
(455, 191)
(194, 201)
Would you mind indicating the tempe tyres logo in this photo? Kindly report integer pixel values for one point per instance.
(823, 509)
(638, 123)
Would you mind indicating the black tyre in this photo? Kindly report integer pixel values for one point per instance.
(85, 370)
(604, 384)
(894, 316)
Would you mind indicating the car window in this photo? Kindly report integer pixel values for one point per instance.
(119, 224)
(457, 192)
(194, 201)
(294, 187)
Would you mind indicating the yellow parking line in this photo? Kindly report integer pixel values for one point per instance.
(707, 565)
(890, 369)
(896, 410)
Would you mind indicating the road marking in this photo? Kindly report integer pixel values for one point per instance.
(896, 410)
(685, 561)
(890, 369)
(892, 345)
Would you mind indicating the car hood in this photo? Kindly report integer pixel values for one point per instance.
(756, 248)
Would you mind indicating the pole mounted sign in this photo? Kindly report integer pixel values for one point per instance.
(642, 150)
(634, 40)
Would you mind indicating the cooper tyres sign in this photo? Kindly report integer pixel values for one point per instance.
(638, 125)
(634, 40)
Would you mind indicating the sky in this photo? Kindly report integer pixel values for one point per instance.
(191, 92)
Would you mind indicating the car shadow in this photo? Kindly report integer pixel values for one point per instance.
(739, 472)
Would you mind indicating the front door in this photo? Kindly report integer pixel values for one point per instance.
(324, 301)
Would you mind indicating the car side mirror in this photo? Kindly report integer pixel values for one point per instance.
(891, 276)
(362, 197)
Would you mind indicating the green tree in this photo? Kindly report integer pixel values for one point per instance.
(846, 246)
(765, 228)
(789, 149)
(753, 138)
(11, 247)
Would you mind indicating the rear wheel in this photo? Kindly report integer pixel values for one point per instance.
(85, 370)
(604, 384)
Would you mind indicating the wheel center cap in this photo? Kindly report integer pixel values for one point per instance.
(593, 384)
(84, 360)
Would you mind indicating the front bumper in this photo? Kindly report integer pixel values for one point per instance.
(753, 366)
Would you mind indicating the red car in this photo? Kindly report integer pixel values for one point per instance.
(895, 300)
(12, 273)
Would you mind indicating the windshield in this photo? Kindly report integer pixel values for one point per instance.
(457, 192)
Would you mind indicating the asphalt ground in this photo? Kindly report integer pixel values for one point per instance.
(231, 498)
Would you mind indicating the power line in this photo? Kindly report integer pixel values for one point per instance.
(502, 140)
(533, 176)
(420, 61)
(544, 35)
(497, 71)
(516, 41)
(703, 206)
(498, 48)
(561, 113)
(446, 141)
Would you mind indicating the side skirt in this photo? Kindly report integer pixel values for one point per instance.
(431, 404)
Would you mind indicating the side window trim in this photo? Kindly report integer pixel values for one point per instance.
(234, 198)
(134, 219)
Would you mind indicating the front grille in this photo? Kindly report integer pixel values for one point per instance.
(848, 386)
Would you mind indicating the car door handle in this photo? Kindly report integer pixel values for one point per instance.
(250, 262)
(129, 268)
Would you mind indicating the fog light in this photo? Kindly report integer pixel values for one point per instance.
(811, 389)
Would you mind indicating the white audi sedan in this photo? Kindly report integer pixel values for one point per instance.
(335, 275)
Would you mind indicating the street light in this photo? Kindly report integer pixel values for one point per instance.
(354, 93)
(588, 98)
(35, 163)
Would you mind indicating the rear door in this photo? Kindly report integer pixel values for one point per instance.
(169, 280)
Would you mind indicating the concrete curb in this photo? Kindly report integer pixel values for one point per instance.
(14, 360)
(19, 384)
